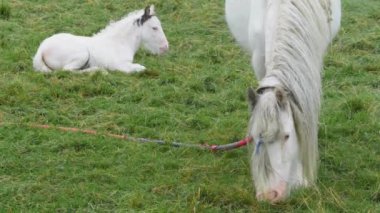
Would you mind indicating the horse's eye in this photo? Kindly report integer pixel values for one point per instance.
(155, 28)
(286, 137)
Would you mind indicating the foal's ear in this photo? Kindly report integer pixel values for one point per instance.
(251, 97)
(147, 11)
(281, 96)
(152, 11)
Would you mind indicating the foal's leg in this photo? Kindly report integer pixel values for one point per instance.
(128, 67)
(90, 69)
(79, 61)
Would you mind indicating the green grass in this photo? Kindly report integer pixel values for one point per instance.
(194, 94)
(5, 11)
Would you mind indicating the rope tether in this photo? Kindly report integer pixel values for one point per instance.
(213, 148)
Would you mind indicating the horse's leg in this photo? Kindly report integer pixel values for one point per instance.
(256, 34)
(237, 18)
(336, 16)
(128, 67)
(258, 61)
(245, 20)
(90, 69)
(79, 61)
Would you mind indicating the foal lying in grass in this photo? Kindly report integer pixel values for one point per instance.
(113, 48)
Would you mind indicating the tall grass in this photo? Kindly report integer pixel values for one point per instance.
(5, 11)
(194, 94)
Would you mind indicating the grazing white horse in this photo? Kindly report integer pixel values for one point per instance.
(287, 40)
(113, 48)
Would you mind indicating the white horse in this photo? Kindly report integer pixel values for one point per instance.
(287, 40)
(113, 48)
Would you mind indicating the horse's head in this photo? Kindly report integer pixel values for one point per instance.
(275, 161)
(153, 36)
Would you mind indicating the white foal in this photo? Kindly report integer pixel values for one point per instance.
(113, 48)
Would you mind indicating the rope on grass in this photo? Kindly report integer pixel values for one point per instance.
(213, 148)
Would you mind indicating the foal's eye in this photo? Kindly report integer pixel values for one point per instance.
(155, 28)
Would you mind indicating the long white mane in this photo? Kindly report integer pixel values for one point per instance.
(297, 36)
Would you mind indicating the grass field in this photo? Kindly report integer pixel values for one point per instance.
(193, 94)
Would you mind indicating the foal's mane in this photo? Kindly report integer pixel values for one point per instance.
(295, 45)
(124, 24)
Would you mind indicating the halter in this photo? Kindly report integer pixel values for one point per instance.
(261, 90)
(258, 145)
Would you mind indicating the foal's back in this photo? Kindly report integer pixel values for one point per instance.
(62, 51)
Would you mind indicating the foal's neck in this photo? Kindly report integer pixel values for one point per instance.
(130, 38)
(124, 32)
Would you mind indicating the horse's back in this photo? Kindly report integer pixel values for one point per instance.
(63, 39)
(253, 23)
(248, 19)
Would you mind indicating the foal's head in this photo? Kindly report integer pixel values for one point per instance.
(275, 160)
(153, 36)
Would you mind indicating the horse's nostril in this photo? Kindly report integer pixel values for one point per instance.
(164, 48)
(271, 196)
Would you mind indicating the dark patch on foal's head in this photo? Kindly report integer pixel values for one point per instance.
(145, 17)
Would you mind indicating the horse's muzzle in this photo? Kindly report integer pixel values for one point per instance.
(164, 48)
(274, 195)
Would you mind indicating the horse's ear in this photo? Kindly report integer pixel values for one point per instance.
(152, 11)
(147, 11)
(281, 96)
(251, 97)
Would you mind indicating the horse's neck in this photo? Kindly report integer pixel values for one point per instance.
(123, 32)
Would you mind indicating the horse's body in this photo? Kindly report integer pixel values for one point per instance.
(287, 40)
(251, 23)
(113, 48)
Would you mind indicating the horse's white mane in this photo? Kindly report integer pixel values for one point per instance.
(120, 25)
(296, 41)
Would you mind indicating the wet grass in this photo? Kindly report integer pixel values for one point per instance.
(194, 94)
